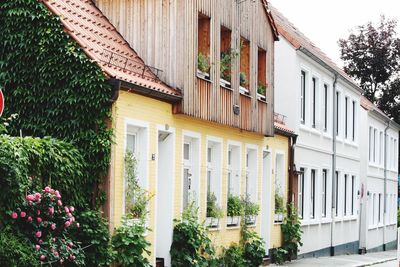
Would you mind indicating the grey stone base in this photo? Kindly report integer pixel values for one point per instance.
(348, 248)
(388, 246)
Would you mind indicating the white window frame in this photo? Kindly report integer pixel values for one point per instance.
(251, 173)
(215, 168)
(234, 169)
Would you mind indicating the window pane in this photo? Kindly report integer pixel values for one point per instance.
(131, 143)
(186, 151)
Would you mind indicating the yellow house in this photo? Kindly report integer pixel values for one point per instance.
(196, 126)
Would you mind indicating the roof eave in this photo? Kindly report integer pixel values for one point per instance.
(150, 92)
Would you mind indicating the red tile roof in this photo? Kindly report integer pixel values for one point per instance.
(283, 128)
(100, 40)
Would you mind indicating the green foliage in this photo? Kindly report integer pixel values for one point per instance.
(235, 206)
(261, 88)
(279, 255)
(232, 256)
(191, 245)
(57, 91)
(203, 63)
(253, 248)
(398, 217)
(94, 237)
(130, 245)
(16, 250)
(212, 208)
(225, 63)
(291, 230)
(137, 198)
(243, 79)
(250, 208)
(279, 206)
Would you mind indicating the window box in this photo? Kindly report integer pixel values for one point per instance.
(279, 217)
(243, 90)
(261, 97)
(232, 220)
(203, 75)
(212, 222)
(224, 83)
(250, 219)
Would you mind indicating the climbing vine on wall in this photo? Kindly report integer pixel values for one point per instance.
(54, 88)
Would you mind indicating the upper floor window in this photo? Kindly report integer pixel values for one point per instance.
(300, 201)
(262, 83)
(337, 113)
(227, 55)
(325, 112)
(314, 99)
(324, 192)
(303, 97)
(203, 46)
(312, 195)
(370, 138)
(353, 130)
(244, 65)
(346, 116)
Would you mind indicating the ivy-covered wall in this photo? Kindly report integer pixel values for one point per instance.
(54, 88)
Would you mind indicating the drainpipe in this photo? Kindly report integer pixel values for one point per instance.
(384, 184)
(292, 169)
(115, 85)
(334, 129)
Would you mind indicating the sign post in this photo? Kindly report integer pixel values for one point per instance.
(1, 102)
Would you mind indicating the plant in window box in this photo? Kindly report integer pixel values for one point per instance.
(234, 211)
(243, 83)
(214, 213)
(203, 66)
(279, 208)
(261, 90)
(225, 66)
(251, 211)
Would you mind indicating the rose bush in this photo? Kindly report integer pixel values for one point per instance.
(46, 222)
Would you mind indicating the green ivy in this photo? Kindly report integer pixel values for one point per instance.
(55, 89)
(291, 230)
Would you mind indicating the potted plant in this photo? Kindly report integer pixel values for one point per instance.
(251, 211)
(279, 208)
(234, 211)
(203, 66)
(214, 213)
(243, 83)
(225, 66)
(261, 90)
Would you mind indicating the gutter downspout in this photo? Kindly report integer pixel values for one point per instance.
(385, 184)
(334, 130)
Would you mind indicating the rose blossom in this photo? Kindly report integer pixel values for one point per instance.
(38, 212)
(30, 197)
(71, 209)
(57, 193)
(39, 220)
(38, 235)
(37, 247)
(69, 215)
(59, 203)
(38, 195)
(67, 224)
(53, 226)
(47, 189)
(72, 219)
(14, 215)
(42, 257)
(66, 209)
(51, 210)
(77, 225)
(29, 219)
(40, 241)
(22, 214)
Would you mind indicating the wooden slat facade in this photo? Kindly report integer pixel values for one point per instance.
(164, 33)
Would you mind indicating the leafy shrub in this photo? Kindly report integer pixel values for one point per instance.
(130, 245)
(94, 237)
(291, 230)
(191, 245)
(279, 255)
(46, 223)
(203, 63)
(212, 208)
(232, 256)
(235, 206)
(16, 250)
(253, 248)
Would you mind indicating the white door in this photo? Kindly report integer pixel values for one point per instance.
(266, 200)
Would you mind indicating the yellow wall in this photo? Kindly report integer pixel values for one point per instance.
(156, 113)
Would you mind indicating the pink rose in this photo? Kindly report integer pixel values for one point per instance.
(57, 193)
(30, 203)
(40, 241)
(67, 224)
(71, 209)
(38, 235)
(69, 215)
(55, 253)
(71, 244)
(77, 225)
(22, 214)
(38, 195)
(51, 210)
(72, 219)
(14, 215)
(30, 197)
(53, 226)
(66, 209)
(39, 220)
(29, 219)
(38, 212)
(47, 189)
(59, 203)
(42, 257)
(37, 247)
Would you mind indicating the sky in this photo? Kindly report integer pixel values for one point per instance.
(325, 22)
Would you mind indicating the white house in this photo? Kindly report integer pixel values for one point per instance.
(379, 172)
(322, 104)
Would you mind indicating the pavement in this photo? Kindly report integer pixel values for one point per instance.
(377, 259)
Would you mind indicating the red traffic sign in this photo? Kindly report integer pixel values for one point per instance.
(1, 102)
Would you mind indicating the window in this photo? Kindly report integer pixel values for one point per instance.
(279, 183)
(353, 130)
(312, 195)
(314, 88)
(300, 204)
(372, 209)
(375, 141)
(245, 64)
(337, 112)
(226, 56)
(345, 195)
(380, 147)
(214, 165)
(324, 191)
(353, 191)
(395, 147)
(251, 174)
(325, 107)
(191, 165)
(233, 170)
(379, 208)
(203, 45)
(303, 97)
(370, 144)
(262, 72)
(336, 193)
(346, 100)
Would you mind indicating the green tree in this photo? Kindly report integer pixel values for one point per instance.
(371, 55)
